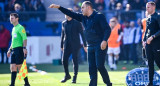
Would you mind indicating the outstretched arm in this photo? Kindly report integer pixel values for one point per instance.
(74, 15)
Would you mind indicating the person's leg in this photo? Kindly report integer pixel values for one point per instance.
(110, 57)
(92, 66)
(110, 60)
(116, 57)
(5, 52)
(26, 78)
(2, 55)
(157, 57)
(134, 53)
(116, 52)
(19, 62)
(127, 52)
(100, 61)
(75, 64)
(13, 69)
(65, 57)
(150, 57)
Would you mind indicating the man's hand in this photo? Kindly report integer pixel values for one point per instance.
(103, 45)
(143, 44)
(62, 49)
(149, 40)
(8, 53)
(85, 49)
(54, 6)
(25, 52)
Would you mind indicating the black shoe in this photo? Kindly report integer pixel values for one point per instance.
(150, 84)
(109, 84)
(66, 78)
(26, 84)
(74, 79)
(11, 85)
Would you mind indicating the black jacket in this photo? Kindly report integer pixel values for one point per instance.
(153, 28)
(70, 36)
(96, 27)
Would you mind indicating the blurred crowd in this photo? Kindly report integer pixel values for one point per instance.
(28, 10)
(123, 5)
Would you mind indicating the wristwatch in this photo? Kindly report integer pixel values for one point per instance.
(24, 47)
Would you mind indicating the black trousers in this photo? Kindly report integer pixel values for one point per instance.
(66, 54)
(126, 48)
(133, 53)
(96, 60)
(4, 52)
(153, 55)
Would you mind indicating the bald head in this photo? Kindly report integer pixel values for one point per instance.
(88, 3)
(87, 8)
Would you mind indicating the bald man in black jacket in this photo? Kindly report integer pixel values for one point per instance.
(97, 32)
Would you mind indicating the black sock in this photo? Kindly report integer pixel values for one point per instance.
(26, 81)
(13, 77)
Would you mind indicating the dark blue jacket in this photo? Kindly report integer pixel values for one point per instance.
(153, 28)
(96, 27)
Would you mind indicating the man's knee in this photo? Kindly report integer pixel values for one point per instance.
(100, 67)
(13, 67)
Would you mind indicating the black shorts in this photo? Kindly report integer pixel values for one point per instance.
(17, 56)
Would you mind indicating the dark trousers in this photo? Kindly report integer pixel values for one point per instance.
(133, 53)
(96, 59)
(4, 51)
(66, 54)
(152, 54)
(126, 51)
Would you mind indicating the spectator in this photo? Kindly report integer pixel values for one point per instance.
(10, 6)
(2, 15)
(136, 5)
(4, 42)
(112, 5)
(124, 3)
(41, 8)
(132, 43)
(18, 9)
(26, 5)
(128, 15)
(126, 49)
(119, 7)
(99, 5)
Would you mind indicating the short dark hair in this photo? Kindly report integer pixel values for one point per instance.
(88, 3)
(15, 15)
(152, 3)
